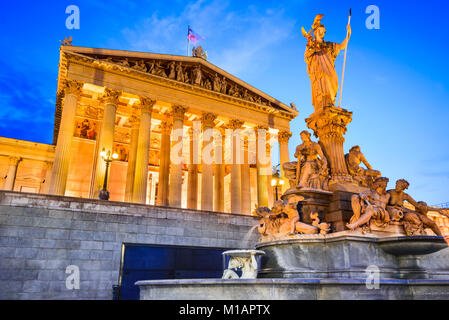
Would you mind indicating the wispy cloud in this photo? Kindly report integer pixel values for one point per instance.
(236, 40)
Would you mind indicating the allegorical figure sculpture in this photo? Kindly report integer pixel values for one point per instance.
(199, 52)
(283, 220)
(364, 176)
(414, 221)
(371, 204)
(311, 170)
(395, 206)
(320, 57)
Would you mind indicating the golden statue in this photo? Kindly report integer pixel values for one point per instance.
(320, 57)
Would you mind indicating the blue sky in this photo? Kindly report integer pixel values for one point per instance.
(396, 80)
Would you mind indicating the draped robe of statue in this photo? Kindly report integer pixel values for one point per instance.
(320, 58)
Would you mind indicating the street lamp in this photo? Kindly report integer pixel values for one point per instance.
(276, 181)
(107, 158)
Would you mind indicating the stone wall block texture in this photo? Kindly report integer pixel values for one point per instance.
(40, 235)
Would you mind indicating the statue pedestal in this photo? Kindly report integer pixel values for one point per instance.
(311, 201)
(329, 125)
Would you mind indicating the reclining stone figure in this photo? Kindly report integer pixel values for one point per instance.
(364, 177)
(371, 204)
(283, 219)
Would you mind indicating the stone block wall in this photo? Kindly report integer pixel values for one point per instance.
(40, 235)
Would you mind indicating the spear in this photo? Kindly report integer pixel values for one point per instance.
(344, 60)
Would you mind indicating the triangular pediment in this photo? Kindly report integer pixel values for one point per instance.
(193, 71)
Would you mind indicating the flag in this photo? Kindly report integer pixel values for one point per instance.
(192, 36)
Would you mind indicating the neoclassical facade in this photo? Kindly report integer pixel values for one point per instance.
(131, 104)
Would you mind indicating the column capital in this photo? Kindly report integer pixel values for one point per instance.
(261, 127)
(178, 112)
(235, 124)
(72, 87)
(134, 121)
(111, 96)
(14, 161)
(208, 119)
(146, 104)
(166, 127)
(284, 136)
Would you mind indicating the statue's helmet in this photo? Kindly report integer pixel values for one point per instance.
(317, 22)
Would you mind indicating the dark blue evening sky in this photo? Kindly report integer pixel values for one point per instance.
(396, 80)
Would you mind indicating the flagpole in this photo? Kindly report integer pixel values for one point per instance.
(344, 60)
(188, 40)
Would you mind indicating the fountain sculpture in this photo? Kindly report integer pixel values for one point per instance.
(335, 224)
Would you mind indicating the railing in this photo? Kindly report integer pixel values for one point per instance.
(442, 205)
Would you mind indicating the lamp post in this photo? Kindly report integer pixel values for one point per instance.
(107, 158)
(276, 181)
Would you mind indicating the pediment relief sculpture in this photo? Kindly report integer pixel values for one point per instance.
(187, 72)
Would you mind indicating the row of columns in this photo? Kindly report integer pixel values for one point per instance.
(137, 172)
(170, 173)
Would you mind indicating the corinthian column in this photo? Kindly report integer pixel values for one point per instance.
(219, 171)
(262, 166)
(72, 90)
(207, 178)
(164, 164)
(192, 187)
(283, 137)
(269, 175)
(12, 171)
(175, 193)
(236, 173)
(106, 138)
(143, 150)
(329, 125)
(135, 123)
(246, 181)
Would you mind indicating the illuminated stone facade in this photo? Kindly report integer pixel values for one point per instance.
(130, 103)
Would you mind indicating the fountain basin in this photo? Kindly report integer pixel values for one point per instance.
(412, 245)
(291, 289)
(347, 255)
(332, 266)
(409, 251)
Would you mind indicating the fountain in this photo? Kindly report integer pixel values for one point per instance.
(336, 230)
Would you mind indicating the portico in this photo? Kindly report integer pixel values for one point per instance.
(156, 112)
